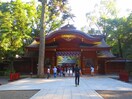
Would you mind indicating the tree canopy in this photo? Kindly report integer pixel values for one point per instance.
(117, 30)
(20, 23)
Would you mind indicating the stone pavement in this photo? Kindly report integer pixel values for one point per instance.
(64, 87)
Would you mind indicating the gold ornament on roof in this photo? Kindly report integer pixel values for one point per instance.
(68, 37)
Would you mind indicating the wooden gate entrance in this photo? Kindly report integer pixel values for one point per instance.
(69, 42)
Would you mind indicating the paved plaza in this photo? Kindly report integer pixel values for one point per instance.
(64, 87)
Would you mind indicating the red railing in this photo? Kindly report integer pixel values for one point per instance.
(124, 76)
(14, 76)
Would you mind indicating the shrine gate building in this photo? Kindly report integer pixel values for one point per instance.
(68, 41)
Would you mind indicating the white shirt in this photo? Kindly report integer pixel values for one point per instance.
(55, 70)
(48, 70)
(92, 69)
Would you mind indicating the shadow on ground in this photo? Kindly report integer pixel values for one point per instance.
(110, 94)
(17, 94)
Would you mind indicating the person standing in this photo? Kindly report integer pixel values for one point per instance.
(55, 71)
(48, 73)
(61, 71)
(73, 70)
(58, 70)
(77, 71)
(92, 70)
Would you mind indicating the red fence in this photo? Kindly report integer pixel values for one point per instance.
(14, 76)
(124, 76)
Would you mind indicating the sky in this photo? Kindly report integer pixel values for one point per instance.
(81, 7)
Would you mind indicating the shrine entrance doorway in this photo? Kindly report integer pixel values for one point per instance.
(68, 57)
(67, 60)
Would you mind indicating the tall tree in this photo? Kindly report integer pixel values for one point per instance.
(104, 17)
(56, 13)
(53, 15)
(127, 35)
(16, 22)
(119, 35)
(20, 23)
(104, 10)
(42, 41)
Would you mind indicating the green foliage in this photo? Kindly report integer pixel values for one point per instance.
(20, 23)
(16, 22)
(55, 14)
(7, 72)
(121, 33)
(118, 31)
(2, 73)
(106, 9)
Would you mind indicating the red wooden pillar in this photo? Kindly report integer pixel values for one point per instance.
(54, 57)
(54, 61)
(82, 58)
(96, 64)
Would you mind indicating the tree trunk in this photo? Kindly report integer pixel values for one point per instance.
(42, 42)
(120, 48)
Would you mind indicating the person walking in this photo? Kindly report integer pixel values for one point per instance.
(77, 71)
(55, 71)
(48, 73)
(73, 70)
(92, 70)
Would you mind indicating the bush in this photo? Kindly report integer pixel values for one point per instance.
(8, 71)
(2, 73)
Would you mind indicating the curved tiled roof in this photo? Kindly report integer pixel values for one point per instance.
(105, 54)
(96, 41)
(34, 44)
(102, 44)
(69, 29)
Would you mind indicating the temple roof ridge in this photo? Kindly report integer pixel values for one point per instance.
(70, 29)
(68, 26)
(105, 53)
(103, 44)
